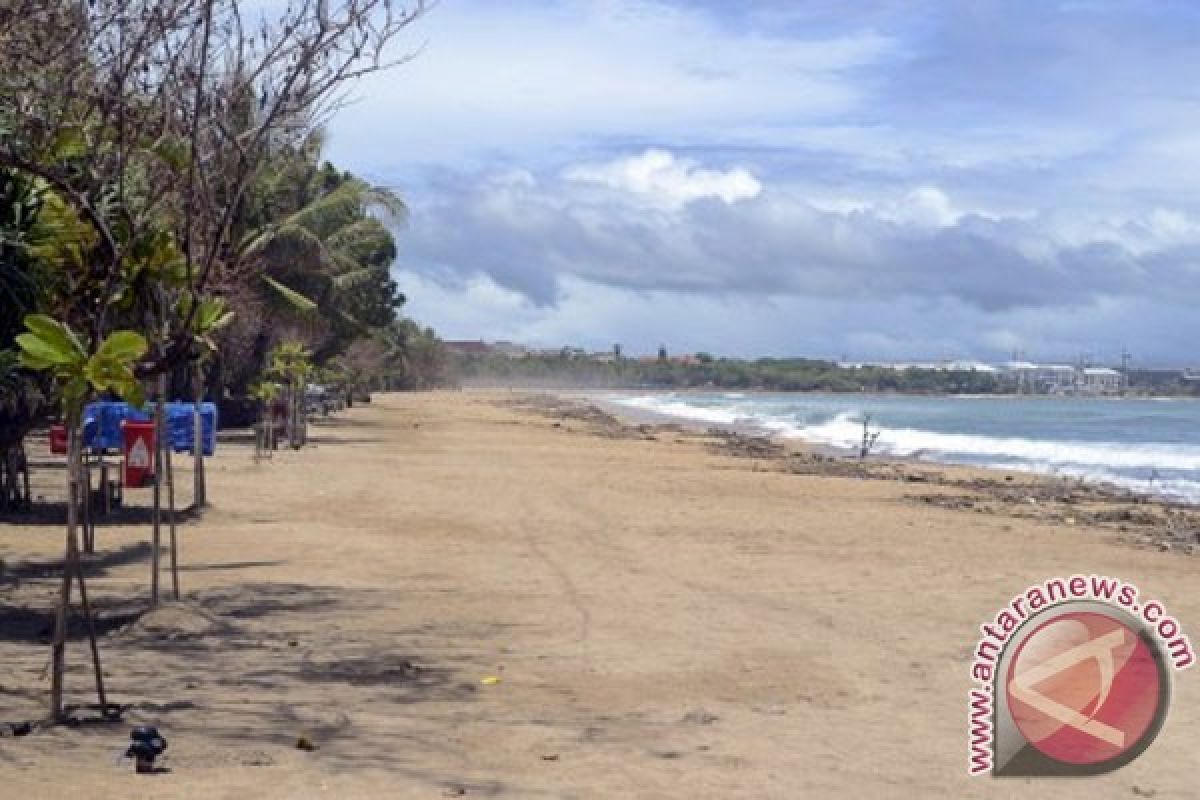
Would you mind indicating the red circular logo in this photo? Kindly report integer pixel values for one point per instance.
(1084, 688)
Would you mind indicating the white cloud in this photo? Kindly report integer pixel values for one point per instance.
(638, 223)
(666, 181)
(925, 207)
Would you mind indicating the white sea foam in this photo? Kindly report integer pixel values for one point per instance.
(673, 407)
(845, 430)
(1131, 465)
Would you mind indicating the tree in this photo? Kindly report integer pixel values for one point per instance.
(141, 125)
(153, 116)
(290, 365)
(78, 368)
(416, 357)
(363, 362)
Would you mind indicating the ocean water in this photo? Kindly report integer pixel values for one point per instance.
(1147, 445)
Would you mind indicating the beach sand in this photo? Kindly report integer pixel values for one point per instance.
(450, 596)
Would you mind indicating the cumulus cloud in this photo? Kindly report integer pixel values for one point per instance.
(651, 221)
(664, 180)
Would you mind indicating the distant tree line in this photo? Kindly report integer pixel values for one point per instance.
(574, 368)
(1162, 383)
(705, 371)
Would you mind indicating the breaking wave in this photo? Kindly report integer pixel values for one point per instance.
(1166, 468)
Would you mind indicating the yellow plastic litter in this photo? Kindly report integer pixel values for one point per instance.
(490, 680)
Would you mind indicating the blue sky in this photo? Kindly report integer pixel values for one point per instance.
(876, 179)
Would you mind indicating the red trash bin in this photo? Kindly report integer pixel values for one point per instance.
(137, 440)
(58, 439)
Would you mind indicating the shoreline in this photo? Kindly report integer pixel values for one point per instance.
(1117, 489)
(1140, 520)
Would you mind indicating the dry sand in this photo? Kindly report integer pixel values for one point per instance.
(664, 621)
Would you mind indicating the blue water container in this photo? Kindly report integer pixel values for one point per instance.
(102, 424)
(179, 427)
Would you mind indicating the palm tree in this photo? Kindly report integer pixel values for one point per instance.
(314, 255)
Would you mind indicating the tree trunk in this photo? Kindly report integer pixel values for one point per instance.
(294, 417)
(58, 650)
(270, 443)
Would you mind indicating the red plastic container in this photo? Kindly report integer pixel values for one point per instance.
(58, 439)
(137, 440)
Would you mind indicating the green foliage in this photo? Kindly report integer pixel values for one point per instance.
(51, 346)
(297, 301)
(211, 315)
(413, 357)
(265, 391)
(23, 281)
(322, 248)
(290, 362)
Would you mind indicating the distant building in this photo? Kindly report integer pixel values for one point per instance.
(969, 366)
(1100, 380)
(510, 349)
(468, 348)
(1056, 378)
(933, 366)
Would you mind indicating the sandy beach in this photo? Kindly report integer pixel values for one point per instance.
(449, 595)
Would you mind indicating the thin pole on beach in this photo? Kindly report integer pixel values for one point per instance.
(91, 629)
(59, 645)
(198, 487)
(270, 441)
(86, 508)
(156, 539)
(171, 523)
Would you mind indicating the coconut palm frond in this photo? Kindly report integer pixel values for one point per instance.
(255, 242)
(351, 322)
(366, 241)
(354, 278)
(293, 299)
(386, 202)
(332, 212)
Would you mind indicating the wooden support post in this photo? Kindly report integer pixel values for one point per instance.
(156, 537)
(171, 523)
(85, 506)
(91, 629)
(25, 473)
(58, 649)
(199, 488)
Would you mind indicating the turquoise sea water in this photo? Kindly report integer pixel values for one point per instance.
(1148, 445)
